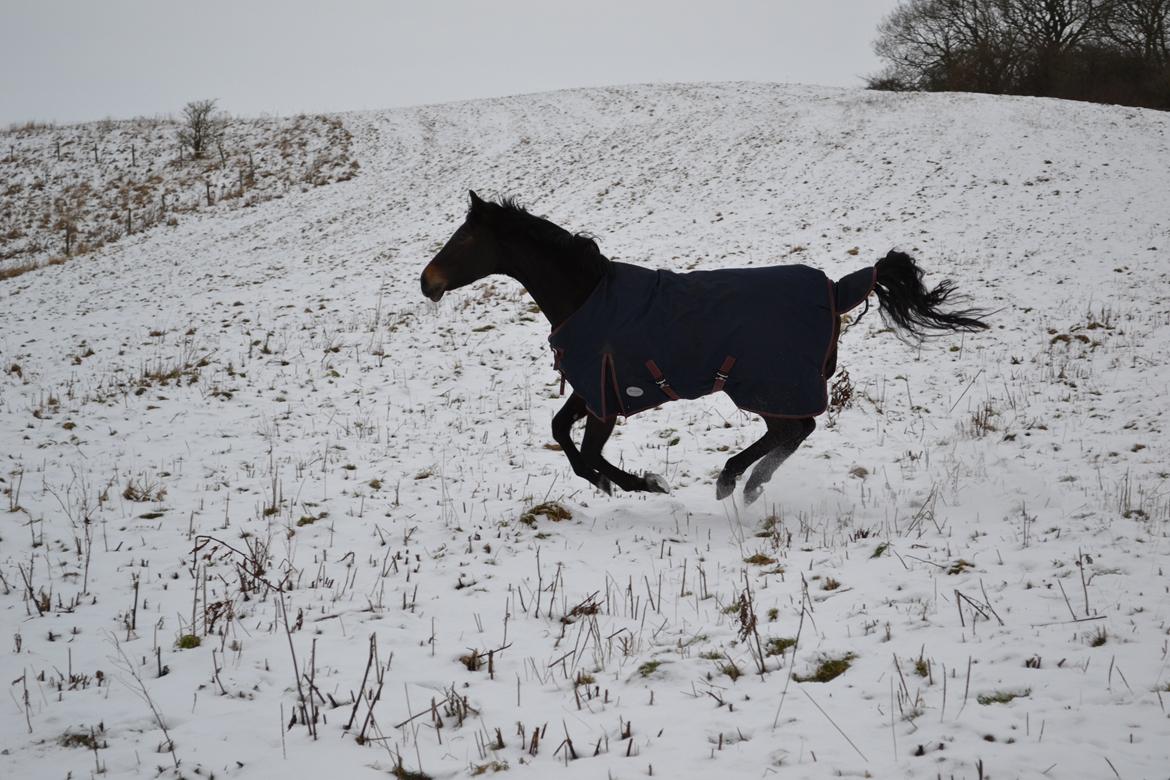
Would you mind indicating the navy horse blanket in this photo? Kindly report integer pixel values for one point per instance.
(764, 336)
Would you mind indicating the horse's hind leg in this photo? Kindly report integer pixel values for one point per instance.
(739, 463)
(788, 433)
(596, 435)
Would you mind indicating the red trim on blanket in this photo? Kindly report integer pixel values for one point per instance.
(607, 361)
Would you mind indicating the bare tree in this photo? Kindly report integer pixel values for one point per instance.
(1114, 51)
(1049, 30)
(1142, 28)
(948, 44)
(1054, 26)
(201, 128)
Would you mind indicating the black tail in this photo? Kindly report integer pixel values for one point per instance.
(910, 306)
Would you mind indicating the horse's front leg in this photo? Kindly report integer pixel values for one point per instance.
(596, 435)
(562, 431)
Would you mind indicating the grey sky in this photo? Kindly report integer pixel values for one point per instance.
(88, 59)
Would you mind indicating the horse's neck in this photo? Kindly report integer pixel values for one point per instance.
(558, 287)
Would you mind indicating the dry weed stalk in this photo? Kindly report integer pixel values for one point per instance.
(139, 688)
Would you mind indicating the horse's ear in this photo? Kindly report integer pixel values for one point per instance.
(475, 199)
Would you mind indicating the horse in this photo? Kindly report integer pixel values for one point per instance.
(628, 338)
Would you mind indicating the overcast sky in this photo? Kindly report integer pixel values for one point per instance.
(89, 59)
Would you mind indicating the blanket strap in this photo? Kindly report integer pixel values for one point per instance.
(721, 374)
(660, 380)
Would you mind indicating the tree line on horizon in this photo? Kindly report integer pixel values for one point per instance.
(1107, 51)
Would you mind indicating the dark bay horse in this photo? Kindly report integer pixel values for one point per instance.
(628, 338)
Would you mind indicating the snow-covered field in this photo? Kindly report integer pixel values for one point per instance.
(249, 432)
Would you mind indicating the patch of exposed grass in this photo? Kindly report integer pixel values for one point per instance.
(143, 490)
(921, 667)
(830, 584)
(491, 766)
(12, 271)
(880, 550)
(551, 510)
(188, 642)
(310, 519)
(402, 773)
(731, 670)
(960, 566)
(828, 668)
(1098, 638)
(1002, 697)
(778, 645)
(769, 527)
(79, 739)
(649, 668)
(760, 559)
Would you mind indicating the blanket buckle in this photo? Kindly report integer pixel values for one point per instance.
(722, 373)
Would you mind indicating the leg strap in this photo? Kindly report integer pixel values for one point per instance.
(660, 380)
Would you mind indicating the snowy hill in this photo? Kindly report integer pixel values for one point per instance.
(247, 437)
(73, 189)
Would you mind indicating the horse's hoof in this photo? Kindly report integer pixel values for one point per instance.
(604, 485)
(724, 487)
(655, 483)
(752, 492)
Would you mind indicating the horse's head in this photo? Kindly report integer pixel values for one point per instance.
(468, 256)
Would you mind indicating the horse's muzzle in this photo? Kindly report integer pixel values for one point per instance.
(431, 287)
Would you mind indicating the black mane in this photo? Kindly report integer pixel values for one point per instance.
(509, 217)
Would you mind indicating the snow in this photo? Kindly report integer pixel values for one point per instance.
(993, 508)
